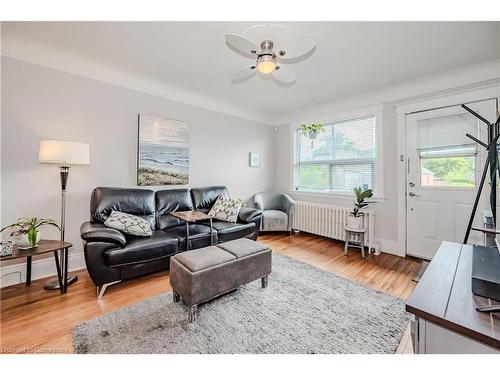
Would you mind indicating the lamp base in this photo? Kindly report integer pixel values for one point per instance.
(53, 284)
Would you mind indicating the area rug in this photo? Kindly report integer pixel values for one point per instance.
(303, 310)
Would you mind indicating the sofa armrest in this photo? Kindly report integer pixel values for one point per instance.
(100, 233)
(247, 215)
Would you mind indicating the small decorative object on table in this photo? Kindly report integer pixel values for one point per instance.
(27, 235)
(6, 248)
(355, 218)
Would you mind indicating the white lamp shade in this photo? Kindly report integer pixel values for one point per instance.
(63, 152)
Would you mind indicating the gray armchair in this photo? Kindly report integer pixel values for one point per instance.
(278, 210)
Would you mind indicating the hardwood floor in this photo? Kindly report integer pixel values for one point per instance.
(34, 320)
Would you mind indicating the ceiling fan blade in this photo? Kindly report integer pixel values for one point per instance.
(241, 44)
(284, 74)
(296, 47)
(243, 73)
(276, 33)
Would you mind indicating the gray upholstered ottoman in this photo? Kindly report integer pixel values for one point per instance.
(199, 275)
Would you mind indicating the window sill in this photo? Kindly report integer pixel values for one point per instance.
(333, 194)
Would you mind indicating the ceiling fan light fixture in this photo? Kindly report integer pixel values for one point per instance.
(266, 64)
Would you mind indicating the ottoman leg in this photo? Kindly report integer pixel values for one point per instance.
(265, 281)
(176, 296)
(192, 313)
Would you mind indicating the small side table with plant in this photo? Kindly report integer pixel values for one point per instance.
(26, 235)
(355, 229)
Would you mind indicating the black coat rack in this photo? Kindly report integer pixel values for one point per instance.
(491, 164)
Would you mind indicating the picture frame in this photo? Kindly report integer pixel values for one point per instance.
(163, 149)
(254, 159)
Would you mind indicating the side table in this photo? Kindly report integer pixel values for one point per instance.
(192, 217)
(360, 234)
(45, 246)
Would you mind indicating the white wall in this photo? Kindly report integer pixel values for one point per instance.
(386, 210)
(40, 103)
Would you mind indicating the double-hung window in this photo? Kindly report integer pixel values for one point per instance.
(340, 158)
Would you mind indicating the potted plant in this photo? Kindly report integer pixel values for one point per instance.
(27, 234)
(311, 131)
(355, 218)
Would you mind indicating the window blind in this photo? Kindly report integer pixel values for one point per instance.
(447, 131)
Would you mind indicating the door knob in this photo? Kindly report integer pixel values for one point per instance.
(412, 194)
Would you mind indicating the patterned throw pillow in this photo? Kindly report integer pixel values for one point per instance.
(129, 224)
(226, 209)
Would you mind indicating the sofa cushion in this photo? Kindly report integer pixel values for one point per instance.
(138, 202)
(230, 231)
(201, 259)
(199, 235)
(140, 249)
(130, 224)
(168, 201)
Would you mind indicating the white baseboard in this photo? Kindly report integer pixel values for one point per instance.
(40, 268)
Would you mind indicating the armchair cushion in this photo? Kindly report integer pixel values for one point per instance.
(274, 220)
(100, 233)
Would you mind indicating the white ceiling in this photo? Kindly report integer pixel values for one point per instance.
(350, 58)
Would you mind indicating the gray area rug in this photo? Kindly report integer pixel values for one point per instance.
(303, 310)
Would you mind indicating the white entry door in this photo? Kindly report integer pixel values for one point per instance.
(443, 172)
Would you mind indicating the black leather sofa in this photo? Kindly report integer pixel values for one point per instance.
(112, 256)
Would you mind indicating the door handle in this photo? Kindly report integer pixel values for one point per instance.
(412, 194)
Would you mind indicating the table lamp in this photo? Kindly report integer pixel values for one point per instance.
(65, 154)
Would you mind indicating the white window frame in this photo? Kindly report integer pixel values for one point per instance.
(378, 172)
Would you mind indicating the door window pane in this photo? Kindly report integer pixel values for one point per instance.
(452, 171)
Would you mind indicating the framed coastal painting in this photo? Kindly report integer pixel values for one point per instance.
(163, 151)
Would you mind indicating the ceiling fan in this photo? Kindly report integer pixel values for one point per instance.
(269, 53)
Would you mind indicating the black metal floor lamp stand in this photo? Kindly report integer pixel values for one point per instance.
(63, 262)
(491, 164)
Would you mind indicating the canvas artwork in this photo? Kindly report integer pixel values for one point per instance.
(163, 151)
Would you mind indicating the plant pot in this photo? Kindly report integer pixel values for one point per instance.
(22, 241)
(355, 222)
(312, 134)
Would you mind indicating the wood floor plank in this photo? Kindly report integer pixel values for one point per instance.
(34, 320)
